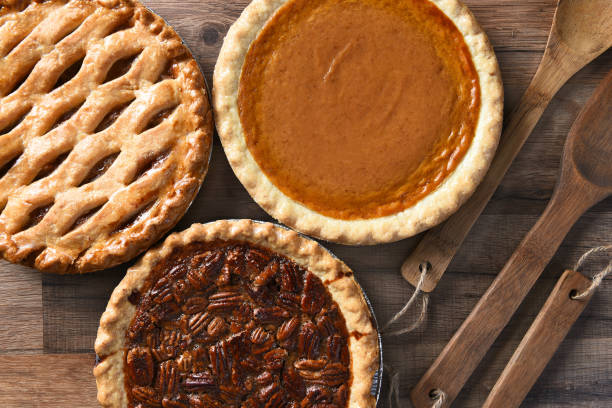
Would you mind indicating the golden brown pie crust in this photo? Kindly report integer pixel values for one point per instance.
(336, 209)
(105, 132)
(337, 278)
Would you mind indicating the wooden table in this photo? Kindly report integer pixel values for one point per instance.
(48, 323)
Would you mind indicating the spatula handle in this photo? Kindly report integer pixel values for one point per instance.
(470, 343)
(545, 335)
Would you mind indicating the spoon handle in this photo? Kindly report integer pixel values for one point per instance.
(440, 244)
(541, 341)
(470, 343)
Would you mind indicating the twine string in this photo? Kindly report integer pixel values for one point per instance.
(394, 383)
(425, 268)
(394, 376)
(598, 278)
(439, 396)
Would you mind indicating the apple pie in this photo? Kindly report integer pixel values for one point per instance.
(105, 132)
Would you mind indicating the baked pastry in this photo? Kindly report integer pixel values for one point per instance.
(237, 314)
(105, 132)
(358, 121)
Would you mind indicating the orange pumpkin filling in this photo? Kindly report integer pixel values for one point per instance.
(358, 108)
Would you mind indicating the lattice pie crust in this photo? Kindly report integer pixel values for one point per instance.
(105, 132)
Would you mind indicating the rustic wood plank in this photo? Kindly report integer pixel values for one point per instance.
(72, 309)
(21, 310)
(50, 381)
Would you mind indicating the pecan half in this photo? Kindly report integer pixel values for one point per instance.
(334, 374)
(319, 394)
(271, 314)
(308, 341)
(140, 366)
(264, 378)
(290, 300)
(276, 401)
(221, 361)
(293, 382)
(167, 380)
(266, 275)
(199, 322)
(290, 277)
(256, 260)
(313, 298)
(204, 401)
(224, 301)
(147, 395)
(275, 358)
(201, 381)
(337, 350)
(216, 327)
(287, 329)
(309, 365)
(194, 305)
(266, 392)
(170, 403)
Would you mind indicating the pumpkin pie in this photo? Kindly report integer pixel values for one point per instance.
(105, 132)
(358, 121)
(237, 314)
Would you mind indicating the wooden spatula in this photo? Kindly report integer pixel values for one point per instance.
(586, 179)
(581, 31)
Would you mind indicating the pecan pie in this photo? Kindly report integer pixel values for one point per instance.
(237, 314)
(358, 121)
(105, 132)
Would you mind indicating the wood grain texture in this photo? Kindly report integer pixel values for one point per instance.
(47, 381)
(548, 330)
(580, 374)
(21, 310)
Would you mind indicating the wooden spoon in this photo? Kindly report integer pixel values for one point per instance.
(581, 31)
(586, 179)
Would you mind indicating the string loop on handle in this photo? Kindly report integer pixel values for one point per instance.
(598, 278)
(439, 396)
(394, 376)
(425, 268)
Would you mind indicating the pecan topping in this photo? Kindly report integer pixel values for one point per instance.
(140, 366)
(147, 395)
(167, 381)
(216, 327)
(224, 325)
(313, 298)
(308, 343)
(200, 381)
(194, 305)
(286, 330)
(275, 359)
(169, 403)
(270, 314)
(267, 275)
(224, 301)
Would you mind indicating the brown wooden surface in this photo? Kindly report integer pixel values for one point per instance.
(548, 330)
(59, 315)
(584, 181)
